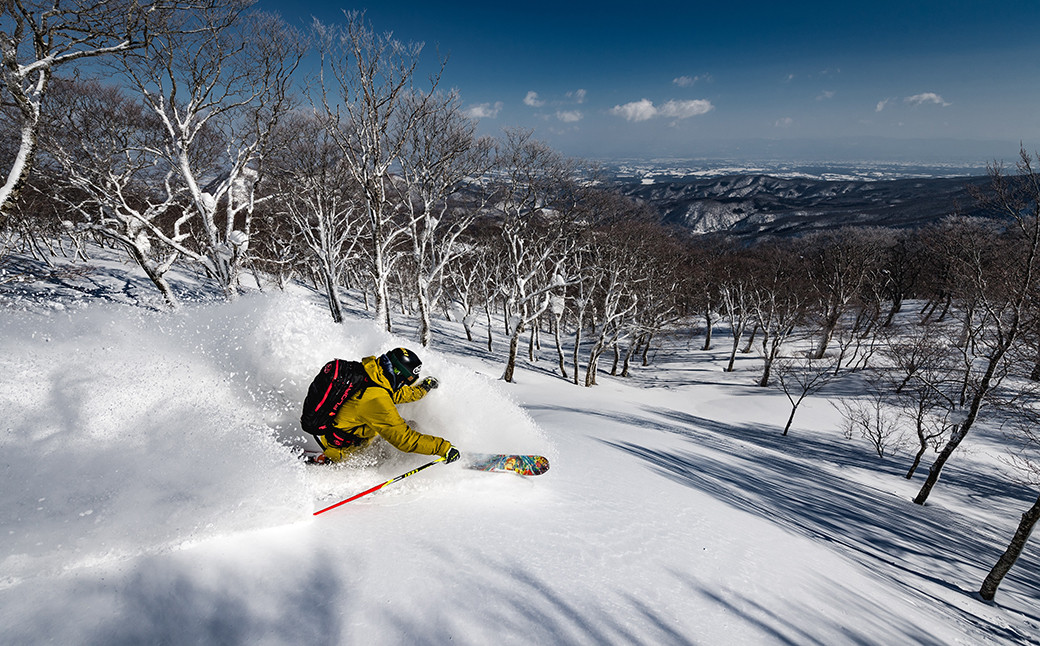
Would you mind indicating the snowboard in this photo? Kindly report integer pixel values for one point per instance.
(525, 465)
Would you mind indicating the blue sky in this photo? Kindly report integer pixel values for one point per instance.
(899, 81)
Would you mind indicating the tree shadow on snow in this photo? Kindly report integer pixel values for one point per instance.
(163, 606)
(797, 483)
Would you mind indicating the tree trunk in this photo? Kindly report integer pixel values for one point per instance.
(790, 420)
(632, 347)
(917, 462)
(592, 368)
(22, 163)
(425, 317)
(751, 339)
(933, 472)
(557, 322)
(1014, 550)
(733, 354)
(514, 348)
(335, 308)
(487, 313)
(830, 325)
(897, 306)
(577, 348)
(981, 391)
(766, 372)
(646, 350)
(467, 324)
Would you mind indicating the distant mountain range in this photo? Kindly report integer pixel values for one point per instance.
(763, 205)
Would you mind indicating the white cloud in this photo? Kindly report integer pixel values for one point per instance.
(686, 109)
(636, 111)
(484, 110)
(645, 109)
(688, 81)
(578, 96)
(532, 100)
(881, 105)
(569, 116)
(826, 94)
(926, 97)
(786, 122)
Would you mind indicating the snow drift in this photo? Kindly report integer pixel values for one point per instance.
(181, 427)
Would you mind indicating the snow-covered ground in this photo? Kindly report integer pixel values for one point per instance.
(149, 495)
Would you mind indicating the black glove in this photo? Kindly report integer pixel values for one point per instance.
(453, 454)
(429, 384)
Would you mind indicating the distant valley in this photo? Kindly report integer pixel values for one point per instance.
(759, 205)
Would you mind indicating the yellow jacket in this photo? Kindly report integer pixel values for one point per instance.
(375, 413)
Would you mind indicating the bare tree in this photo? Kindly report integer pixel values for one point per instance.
(464, 284)
(841, 265)
(616, 301)
(316, 192)
(1026, 461)
(108, 179)
(801, 376)
(38, 37)
(368, 93)
(736, 284)
(702, 263)
(921, 375)
(1004, 291)
(901, 271)
(444, 166)
(658, 293)
(218, 80)
(873, 418)
(778, 302)
(538, 197)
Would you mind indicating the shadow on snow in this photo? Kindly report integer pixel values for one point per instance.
(796, 482)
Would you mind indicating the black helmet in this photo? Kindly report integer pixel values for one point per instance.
(401, 366)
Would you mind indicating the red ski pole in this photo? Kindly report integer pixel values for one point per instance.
(380, 486)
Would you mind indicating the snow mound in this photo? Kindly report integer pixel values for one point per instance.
(128, 432)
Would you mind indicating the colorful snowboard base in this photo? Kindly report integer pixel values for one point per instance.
(525, 465)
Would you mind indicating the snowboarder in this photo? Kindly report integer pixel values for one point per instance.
(392, 380)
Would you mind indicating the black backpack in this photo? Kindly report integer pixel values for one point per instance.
(337, 382)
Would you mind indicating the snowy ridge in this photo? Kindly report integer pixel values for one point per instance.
(759, 205)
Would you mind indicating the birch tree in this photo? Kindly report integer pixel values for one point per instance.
(616, 301)
(1027, 463)
(218, 80)
(445, 167)
(800, 377)
(736, 283)
(1005, 289)
(778, 302)
(316, 192)
(40, 37)
(840, 266)
(537, 199)
(369, 94)
(108, 180)
(922, 373)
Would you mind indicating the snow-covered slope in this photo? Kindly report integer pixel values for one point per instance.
(149, 494)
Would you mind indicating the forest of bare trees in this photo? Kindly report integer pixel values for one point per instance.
(204, 135)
